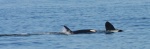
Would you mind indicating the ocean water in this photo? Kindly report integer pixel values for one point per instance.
(40, 16)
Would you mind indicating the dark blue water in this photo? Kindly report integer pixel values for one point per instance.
(39, 16)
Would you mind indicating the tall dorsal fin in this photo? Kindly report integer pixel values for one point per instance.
(66, 30)
(109, 26)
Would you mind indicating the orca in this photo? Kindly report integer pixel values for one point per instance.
(110, 28)
(66, 30)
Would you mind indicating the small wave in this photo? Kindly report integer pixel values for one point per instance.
(29, 34)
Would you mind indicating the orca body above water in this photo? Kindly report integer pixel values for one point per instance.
(110, 28)
(66, 31)
(83, 31)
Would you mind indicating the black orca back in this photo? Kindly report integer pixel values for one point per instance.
(109, 26)
(85, 31)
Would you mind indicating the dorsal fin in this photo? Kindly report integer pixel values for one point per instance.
(66, 30)
(109, 26)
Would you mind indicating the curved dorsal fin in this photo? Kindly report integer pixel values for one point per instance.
(66, 30)
(109, 26)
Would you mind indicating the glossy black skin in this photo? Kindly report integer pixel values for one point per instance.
(120, 31)
(109, 26)
(67, 29)
(84, 31)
